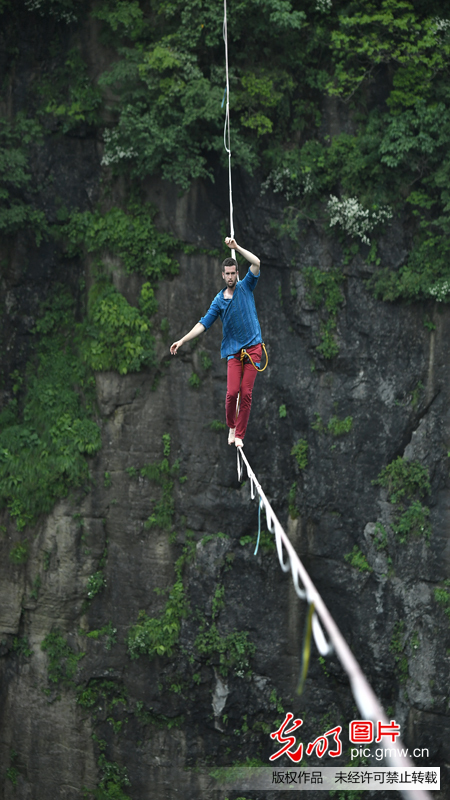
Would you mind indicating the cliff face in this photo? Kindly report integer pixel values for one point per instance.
(95, 698)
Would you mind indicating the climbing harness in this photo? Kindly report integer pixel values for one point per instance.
(363, 693)
(242, 356)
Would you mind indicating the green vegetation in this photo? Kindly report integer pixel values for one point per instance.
(112, 781)
(218, 601)
(99, 692)
(129, 234)
(358, 560)
(194, 381)
(217, 426)
(335, 427)
(36, 586)
(324, 293)
(415, 395)
(17, 211)
(67, 94)
(266, 541)
(158, 636)
(19, 553)
(442, 596)
(380, 538)
(233, 650)
(206, 361)
(282, 413)
(109, 631)
(404, 479)
(293, 510)
(95, 584)
(21, 647)
(46, 435)
(407, 481)
(62, 660)
(148, 717)
(323, 664)
(12, 772)
(398, 645)
(211, 536)
(162, 474)
(339, 427)
(276, 702)
(300, 453)
(117, 335)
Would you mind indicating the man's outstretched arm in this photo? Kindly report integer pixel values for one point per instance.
(254, 260)
(196, 331)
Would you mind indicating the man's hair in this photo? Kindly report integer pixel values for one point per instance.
(230, 262)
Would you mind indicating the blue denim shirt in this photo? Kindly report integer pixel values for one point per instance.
(239, 318)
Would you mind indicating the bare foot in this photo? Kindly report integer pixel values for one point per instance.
(231, 435)
(238, 442)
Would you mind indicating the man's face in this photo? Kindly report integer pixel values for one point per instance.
(230, 276)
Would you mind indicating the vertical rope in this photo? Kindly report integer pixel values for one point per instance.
(226, 129)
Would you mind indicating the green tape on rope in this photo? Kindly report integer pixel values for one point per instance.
(306, 649)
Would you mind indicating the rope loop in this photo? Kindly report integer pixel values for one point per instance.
(260, 506)
(244, 354)
(240, 464)
(284, 566)
(299, 592)
(324, 647)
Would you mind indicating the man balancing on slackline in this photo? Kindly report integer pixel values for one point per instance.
(236, 307)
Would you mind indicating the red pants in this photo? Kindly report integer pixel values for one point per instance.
(234, 382)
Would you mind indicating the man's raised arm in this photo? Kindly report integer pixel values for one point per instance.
(254, 260)
(196, 331)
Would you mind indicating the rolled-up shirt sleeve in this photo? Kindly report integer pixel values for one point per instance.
(211, 315)
(251, 280)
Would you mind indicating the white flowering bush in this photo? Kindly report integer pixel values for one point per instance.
(291, 184)
(354, 219)
(61, 9)
(440, 290)
(114, 152)
(323, 5)
(440, 24)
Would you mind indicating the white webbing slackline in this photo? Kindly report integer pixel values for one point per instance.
(226, 128)
(365, 697)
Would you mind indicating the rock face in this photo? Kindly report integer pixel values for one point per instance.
(151, 725)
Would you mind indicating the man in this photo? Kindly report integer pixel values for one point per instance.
(236, 308)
